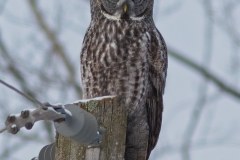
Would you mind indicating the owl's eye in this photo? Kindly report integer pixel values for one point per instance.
(140, 7)
(109, 6)
(103, 9)
(138, 1)
(129, 8)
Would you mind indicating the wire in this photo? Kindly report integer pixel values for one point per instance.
(22, 94)
(3, 130)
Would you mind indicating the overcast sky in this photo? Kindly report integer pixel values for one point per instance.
(184, 25)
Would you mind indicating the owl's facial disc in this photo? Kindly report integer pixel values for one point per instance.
(125, 8)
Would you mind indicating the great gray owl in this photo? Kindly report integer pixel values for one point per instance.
(124, 54)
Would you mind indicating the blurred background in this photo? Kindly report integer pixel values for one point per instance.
(40, 44)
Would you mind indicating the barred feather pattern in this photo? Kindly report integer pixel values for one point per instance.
(128, 59)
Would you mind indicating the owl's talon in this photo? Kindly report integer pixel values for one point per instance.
(25, 114)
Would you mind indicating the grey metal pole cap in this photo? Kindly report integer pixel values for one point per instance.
(81, 126)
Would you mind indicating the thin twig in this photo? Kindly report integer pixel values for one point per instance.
(198, 109)
(13, 68)
(2, 6)
(205, 73)
(3, 130)
(56, 45)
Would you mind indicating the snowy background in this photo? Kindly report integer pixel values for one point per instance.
(40, 43)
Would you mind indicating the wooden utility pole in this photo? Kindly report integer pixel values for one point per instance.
(112, 118)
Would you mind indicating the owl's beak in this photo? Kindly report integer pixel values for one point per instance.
(125, 7)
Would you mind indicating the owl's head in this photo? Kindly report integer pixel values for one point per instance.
(125, 9)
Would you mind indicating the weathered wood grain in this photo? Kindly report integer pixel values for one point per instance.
(112, 118)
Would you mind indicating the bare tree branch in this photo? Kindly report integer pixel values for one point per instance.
(57, 47)
(205, 73)
(2, 5)
(14, 70)
(202, 97)
(16, 73)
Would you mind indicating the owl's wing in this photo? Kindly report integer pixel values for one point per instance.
(158, 71)
(158, 61)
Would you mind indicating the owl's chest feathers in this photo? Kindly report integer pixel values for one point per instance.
(117, 42)
(115, 60)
